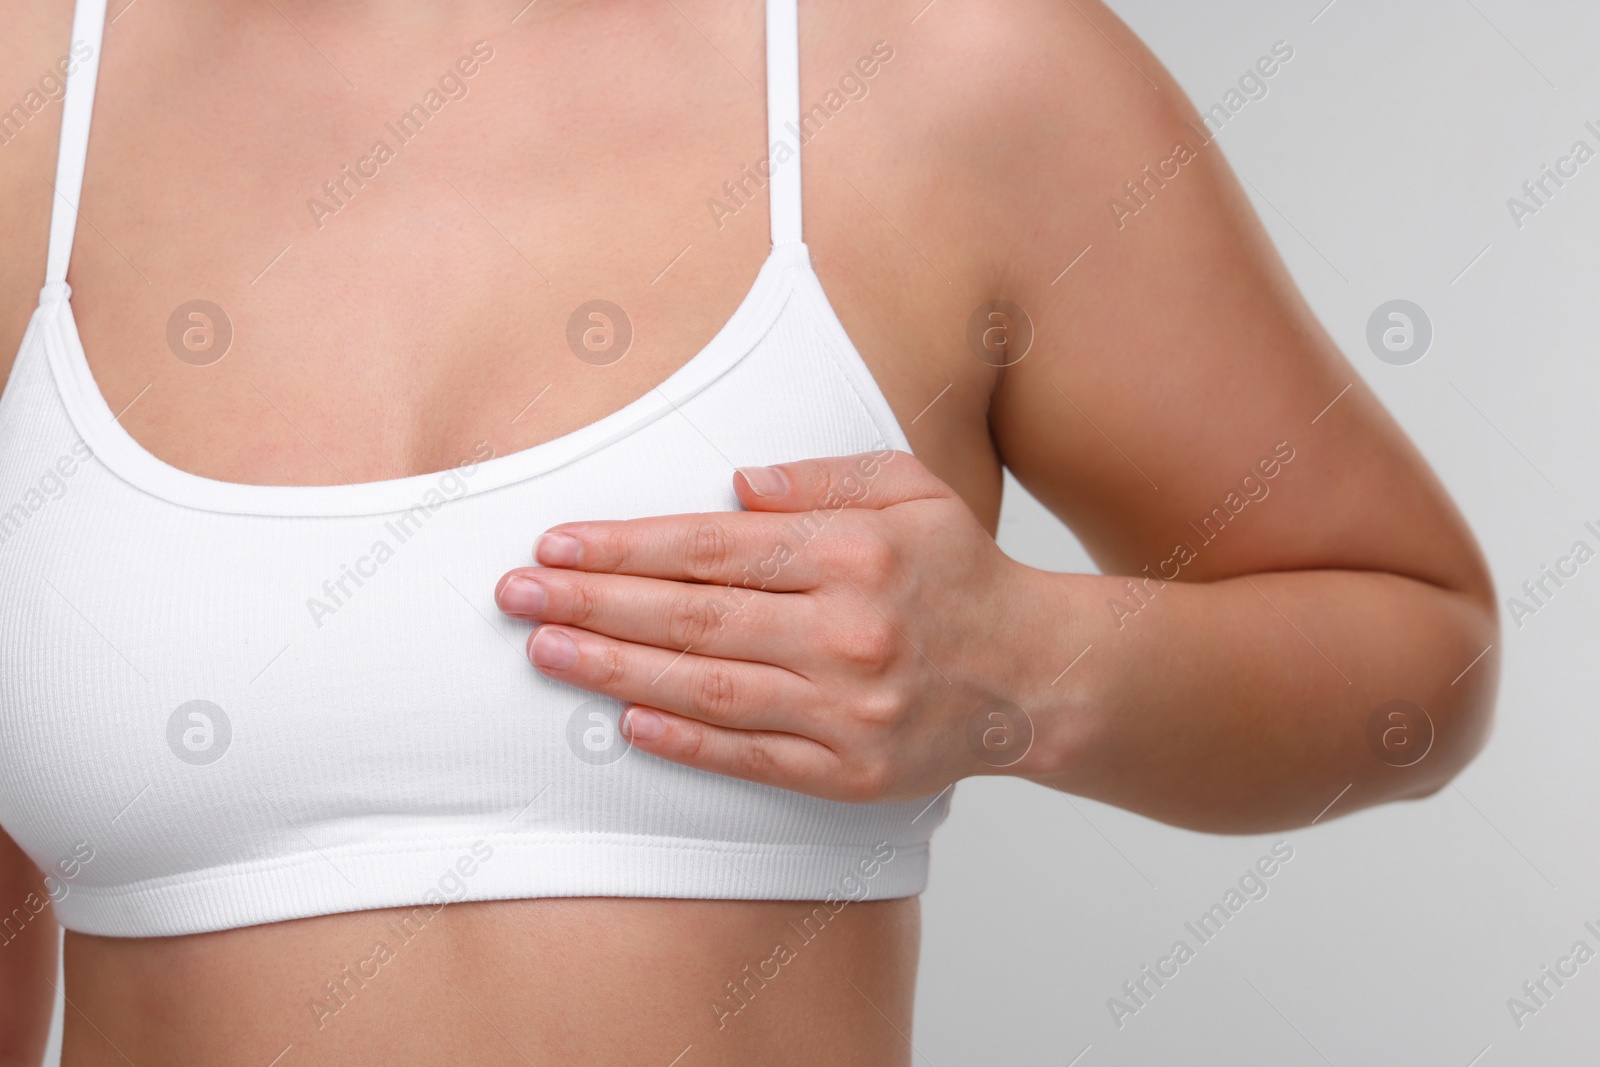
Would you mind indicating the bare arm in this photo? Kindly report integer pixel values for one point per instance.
(1299, 566)
(37, 36)
(28, 939)
(1187, 415)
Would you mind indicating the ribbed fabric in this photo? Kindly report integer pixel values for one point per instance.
(388, 742)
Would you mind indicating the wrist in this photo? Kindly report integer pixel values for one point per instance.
(1052, 664)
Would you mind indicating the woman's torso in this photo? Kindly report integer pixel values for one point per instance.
(386, 338)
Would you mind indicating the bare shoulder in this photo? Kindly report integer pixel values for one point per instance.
(992, 106)
(1024, 96)
(969, 162)
(1169, 353)
(35, 51)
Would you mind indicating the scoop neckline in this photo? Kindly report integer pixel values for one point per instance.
(95, 422)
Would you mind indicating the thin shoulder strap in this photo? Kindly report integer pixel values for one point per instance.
(783, 118)
(88, 29)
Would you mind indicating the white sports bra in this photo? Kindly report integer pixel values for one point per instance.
(226, 704)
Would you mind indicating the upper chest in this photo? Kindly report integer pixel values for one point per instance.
(404, 229)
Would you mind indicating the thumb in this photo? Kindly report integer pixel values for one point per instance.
(866, 480)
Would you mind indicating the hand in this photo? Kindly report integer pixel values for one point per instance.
(836, 639)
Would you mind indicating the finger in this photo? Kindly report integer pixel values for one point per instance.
(731, 693)
(868, 480)
(754, 552)
(724, 621)
(778, 759)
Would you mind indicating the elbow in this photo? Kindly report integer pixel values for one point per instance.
(1465, 697)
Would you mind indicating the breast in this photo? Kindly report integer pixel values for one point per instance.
(248, 717)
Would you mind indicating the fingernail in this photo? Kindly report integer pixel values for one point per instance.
(553, 649)
(642, 725)
(522, 596)
(766, 481)
(557, 550)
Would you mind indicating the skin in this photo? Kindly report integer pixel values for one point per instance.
(1169, 361)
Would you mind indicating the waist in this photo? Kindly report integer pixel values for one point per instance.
(594, 981)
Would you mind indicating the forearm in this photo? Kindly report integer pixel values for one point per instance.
(1243, 705)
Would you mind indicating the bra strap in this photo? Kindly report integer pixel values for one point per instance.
(88, 29)
(783, 118)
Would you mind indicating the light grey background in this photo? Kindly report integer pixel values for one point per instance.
(1381, 161)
